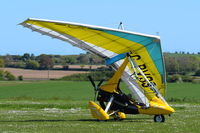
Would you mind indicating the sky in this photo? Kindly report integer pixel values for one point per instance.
(176, 21)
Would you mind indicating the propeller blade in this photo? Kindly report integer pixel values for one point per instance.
(100, 83)
(95, 95)
(92, 81)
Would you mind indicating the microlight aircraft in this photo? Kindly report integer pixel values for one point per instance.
(137, 59)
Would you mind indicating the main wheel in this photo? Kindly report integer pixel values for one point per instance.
(159, 118)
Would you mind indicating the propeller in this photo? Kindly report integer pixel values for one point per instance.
(96, 88)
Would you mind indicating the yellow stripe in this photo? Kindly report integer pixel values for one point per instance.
(112, 84)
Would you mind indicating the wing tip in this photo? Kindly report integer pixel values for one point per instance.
(28, 19)
(22, 23)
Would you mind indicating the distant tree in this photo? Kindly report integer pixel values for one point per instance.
(9, 76)
(57, 56)
(91, 60)
(1, 62)
(7, 59)
(1, 75)
(31, 64)
(181, 64)
(188, 63)
(32, 57)
(70, 60)
(45, 62)
(175, 78)
(174, 66)
(83, 59)
(197, 73)
(171, 64)
(20, 77)
(95, 60)
(16, 57)
(26, 57)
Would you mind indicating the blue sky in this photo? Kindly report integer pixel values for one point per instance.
(177, 21)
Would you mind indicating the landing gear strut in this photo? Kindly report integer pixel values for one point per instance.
(159, 118)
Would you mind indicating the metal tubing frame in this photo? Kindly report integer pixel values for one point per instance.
(153, 87)
(134, 65)
(109, 104)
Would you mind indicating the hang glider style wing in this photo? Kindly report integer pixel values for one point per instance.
(108, 43)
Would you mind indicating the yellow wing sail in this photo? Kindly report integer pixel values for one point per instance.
(107, 43)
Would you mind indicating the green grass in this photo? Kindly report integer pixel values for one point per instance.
(75, 120)
(183, 92)
(67, 90)
(74, 90)
(61, 106)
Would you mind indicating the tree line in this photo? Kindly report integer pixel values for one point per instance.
(182, 63)
(43, 61)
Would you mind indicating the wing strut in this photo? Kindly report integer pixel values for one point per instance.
(151, 85)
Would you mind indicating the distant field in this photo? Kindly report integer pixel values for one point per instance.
(74, 90)
(188, 92)
(68, 90)
(40, 74)
(61, 106)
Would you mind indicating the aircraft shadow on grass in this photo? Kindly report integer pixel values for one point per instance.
(146, 120)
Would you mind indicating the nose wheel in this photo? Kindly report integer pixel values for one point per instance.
(159, 118)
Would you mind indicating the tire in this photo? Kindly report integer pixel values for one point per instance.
(159, 118)
(119, 116)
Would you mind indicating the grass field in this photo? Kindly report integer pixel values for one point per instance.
(60, 106)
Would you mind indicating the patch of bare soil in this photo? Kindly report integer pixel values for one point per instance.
(40, 74)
